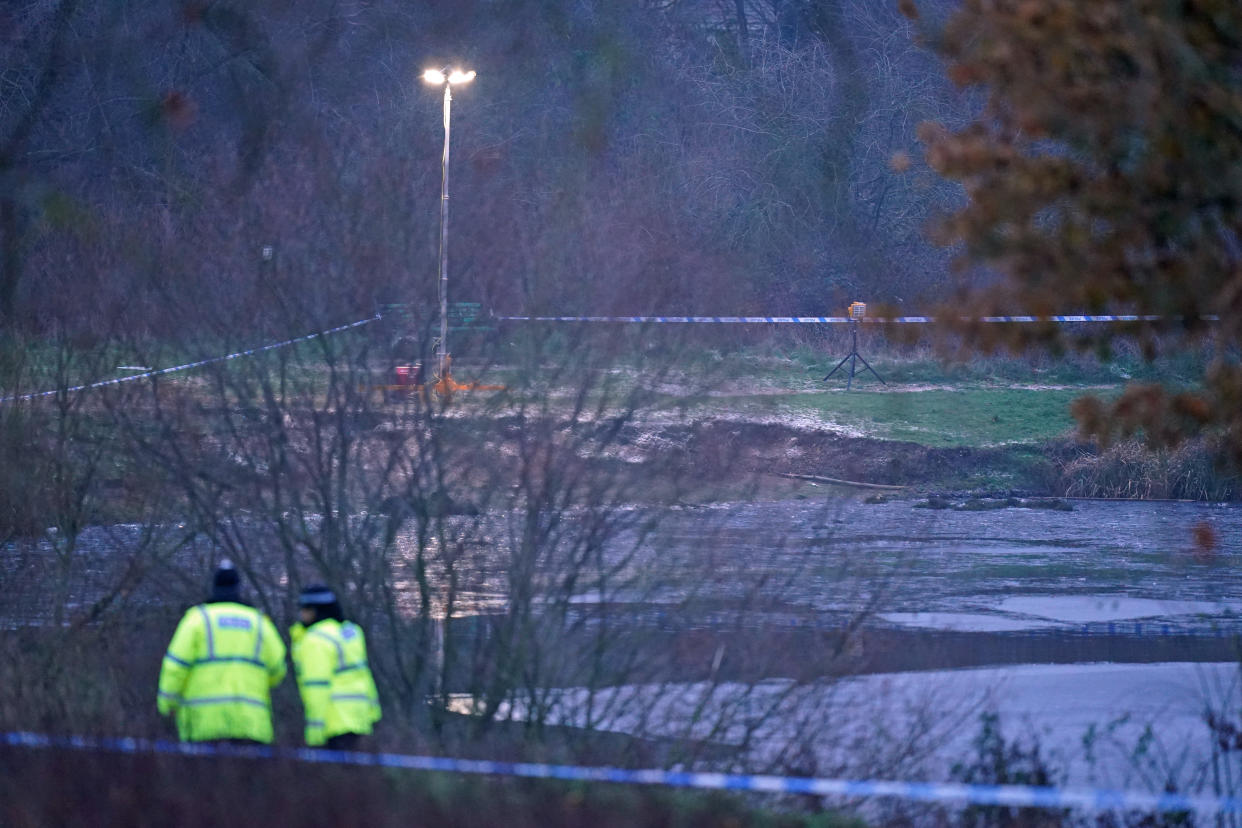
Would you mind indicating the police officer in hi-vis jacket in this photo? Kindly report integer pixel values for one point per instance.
(334, 679)
(221, 665)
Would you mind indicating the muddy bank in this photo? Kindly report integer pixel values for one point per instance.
(721, 450)
(717, 449)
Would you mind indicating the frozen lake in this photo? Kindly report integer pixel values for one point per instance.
(1001, 571)
(1100, 725)
(994, 573)
(997, 570)
(1105, 566)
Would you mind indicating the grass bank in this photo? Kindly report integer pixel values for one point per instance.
(100, 680)
(931, 417)
(53, 787)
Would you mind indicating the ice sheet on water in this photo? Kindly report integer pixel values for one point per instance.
(963, 621)
(1141, 719)
(1082, 609)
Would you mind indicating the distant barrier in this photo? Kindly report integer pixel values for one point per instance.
(841, 320)
(1020, 796)
(188, 365)
(745, 320)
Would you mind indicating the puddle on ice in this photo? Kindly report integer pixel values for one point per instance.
(628, 596)
(1082, 609)
(963, 621)
(1035, 612)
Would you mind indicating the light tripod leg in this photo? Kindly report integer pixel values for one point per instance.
(872, 370)
(839, 364)
(853, 358)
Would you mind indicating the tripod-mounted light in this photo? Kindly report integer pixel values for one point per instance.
(856, 312)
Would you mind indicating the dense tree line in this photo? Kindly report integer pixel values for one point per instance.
(688, 157)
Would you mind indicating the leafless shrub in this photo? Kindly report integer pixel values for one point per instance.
(1193, 470)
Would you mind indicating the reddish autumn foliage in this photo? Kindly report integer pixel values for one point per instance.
(1205, 538)
(1104, 175)
(177, 109)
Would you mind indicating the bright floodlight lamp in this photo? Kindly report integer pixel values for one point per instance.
(446, 78)
(858, 310)
(454, 76)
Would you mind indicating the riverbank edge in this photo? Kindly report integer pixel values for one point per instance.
(778, 460)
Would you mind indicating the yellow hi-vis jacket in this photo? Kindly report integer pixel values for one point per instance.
(218, 672)
(338, 690)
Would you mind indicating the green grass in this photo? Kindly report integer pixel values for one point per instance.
(954, 418)
(781, 360)
(973, 417)
(988, 401)
(48, 364)
(983, 410)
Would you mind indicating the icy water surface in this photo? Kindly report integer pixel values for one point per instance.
(1130, 726)
(990, 571)
(998, 574)
(1006, 569)
(986, 575)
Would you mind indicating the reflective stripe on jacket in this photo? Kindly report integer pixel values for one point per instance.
(218, 672)
(338, 690)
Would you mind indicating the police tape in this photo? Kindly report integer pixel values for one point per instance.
(839, 320)
(1018, 796)
(188, 365)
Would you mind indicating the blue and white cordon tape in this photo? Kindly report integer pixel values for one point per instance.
(186, 366)
(744, 320)
(839, 320)
(1021, 796)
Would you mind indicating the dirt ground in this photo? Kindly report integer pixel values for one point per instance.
(722, 449)
(732, 459)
